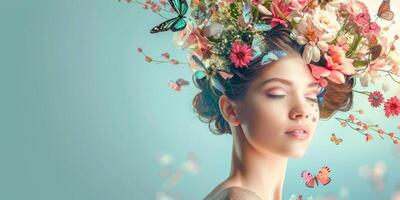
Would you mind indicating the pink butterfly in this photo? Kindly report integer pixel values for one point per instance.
(322, 177)
(178, 84)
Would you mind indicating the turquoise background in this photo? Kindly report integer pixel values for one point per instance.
(83, 116)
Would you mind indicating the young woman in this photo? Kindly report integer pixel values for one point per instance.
(271, 111)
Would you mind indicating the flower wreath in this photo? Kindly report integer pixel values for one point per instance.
(222, 35)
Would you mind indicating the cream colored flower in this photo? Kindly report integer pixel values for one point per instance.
(326, 21)
(315, 31)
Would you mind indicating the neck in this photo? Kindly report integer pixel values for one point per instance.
(259, 171)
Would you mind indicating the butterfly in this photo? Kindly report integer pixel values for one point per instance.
(247, 16)
(320, 95)
(336, 140)
(384, 11)
(178, 84)
(272, 55)
(322, 177)
(209, 73)
(375, 51)
(175, 24)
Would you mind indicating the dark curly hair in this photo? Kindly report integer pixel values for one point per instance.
(338, 97)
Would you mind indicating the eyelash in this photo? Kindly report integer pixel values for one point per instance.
(281, 96)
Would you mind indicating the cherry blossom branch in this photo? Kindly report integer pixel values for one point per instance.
(165, 55)
(352, 122)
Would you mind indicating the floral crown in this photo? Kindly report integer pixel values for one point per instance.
(222, 36)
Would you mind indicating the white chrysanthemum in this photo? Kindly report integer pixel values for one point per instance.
(326, 21)
(306, 33)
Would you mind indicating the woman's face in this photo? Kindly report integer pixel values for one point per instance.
(282, 97)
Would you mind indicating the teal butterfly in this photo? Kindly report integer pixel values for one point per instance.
(273, 55)
(175, 24)
(247, 16)
(209, 73)
(320, 95)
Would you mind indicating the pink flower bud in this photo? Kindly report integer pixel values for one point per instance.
(165, 55)
(173, 61)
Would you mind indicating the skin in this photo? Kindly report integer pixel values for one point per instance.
(261, 148)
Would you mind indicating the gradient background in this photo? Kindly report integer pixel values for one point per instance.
(83, 116)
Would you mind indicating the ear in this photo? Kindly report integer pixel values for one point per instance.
(228, 110)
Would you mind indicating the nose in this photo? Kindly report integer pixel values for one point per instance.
(299, 111)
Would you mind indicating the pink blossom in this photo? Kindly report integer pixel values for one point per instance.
(371, 30)
(337, 65)
(362, 19)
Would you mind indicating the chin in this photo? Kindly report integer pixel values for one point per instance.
(296, 154)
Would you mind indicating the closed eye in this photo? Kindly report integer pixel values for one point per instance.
(282, 96)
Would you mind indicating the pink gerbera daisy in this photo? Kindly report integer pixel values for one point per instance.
(375, 98)
(392, 107)
(240, 54)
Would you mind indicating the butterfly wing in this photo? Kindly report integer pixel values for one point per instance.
(225, 75)
(308, 178)
(198, 61)
(165, 26)
(199, 74)
(333, 137)
(182, 82)
(180, 6)
(217, 84)
(384, 11)
(323, 175)
(262, 27)
(247, 16)
(321, 94)
(389, 15)
(174, 86)
(268, 58)
(178, 25)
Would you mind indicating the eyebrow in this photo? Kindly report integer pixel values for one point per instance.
(286, 82)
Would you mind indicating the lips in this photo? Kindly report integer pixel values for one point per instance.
(298, 132)
(305, 129)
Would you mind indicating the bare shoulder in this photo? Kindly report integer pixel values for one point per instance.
(234, 193)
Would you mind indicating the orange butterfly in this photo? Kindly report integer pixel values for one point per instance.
(322, 177)
(384, 11)
(178, 84)
(336, 140)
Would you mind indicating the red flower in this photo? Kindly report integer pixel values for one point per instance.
(240, 54)
(392, 107)
(375, 98)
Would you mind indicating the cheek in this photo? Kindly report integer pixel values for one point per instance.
(314, 113)
(262, 120)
